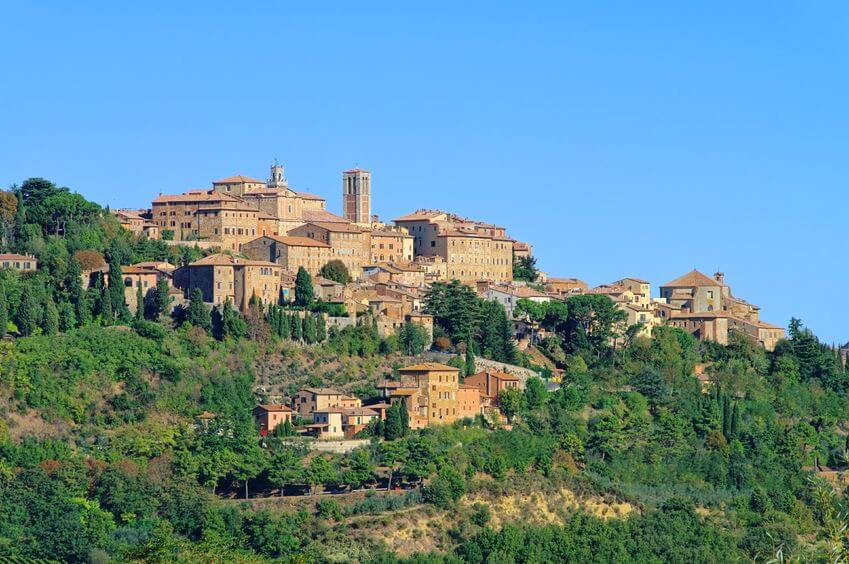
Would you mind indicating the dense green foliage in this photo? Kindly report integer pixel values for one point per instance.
(130, 438)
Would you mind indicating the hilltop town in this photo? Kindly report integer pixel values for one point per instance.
(260, 233)
(420, 382)
(257, 235)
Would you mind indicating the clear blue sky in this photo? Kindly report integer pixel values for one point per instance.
(619, 138)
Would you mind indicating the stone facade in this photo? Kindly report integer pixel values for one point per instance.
(428, 392)
(350, 244)
(707, 308)
(356, 196)
(221, 277)
(290, 252)
(391, 245)
(24, 263)
(472, 250)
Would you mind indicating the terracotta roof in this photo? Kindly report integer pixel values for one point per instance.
(390, 233)
(337, 227)
(322, 215)
(355, 170)
(323, 391)
(427, 366)
(238, 179)
(498, 374)
(308, 196)
(637, 280)
(293, 241)
(421, 215)
(694, 278)
(272, 407)
(195, 196)
(13, 256)
(222, 259)
(162, 265)
(138, 270)
(359, 411)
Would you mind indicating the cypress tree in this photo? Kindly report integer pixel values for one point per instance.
(106, 314)
(470, 360)
(27, 317)
(285, 325)
(297, 328)
(67, 321)
(310, 333)
(50, 318)
(197, 313)
(321, 328)
(726, 417)
(116, 291)
(4, 313)
(139, 302)
(734, 428)
(304, 291)
(161, 300)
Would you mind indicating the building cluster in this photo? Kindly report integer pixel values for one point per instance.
(431, 394)
(262, 232)
(699, 304)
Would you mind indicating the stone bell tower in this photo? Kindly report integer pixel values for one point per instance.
(356, 195)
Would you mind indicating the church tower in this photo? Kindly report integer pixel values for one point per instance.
(356, 195)
(278, 176)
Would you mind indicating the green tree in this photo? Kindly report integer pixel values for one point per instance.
(28, 312)
(139, 302)
(50, 321)
(469, 364)
(393, 455)
(304, 291)
(510, 402)
(320, 328)
(285, 468)
(525, 269)
(318, 472)
(412, 337)
(297, 327)
(535, 393)
(336, 270)
(107, 316)
(161, 301)
(309, 329)
(4, 313)
(67, 319)
(198, 314)
(116, 291)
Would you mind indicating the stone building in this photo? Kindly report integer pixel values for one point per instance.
(229, 223)
(472, 250)
(707, 308)
(221, 277)
(237, 185)
(407, 273)
(24, 263)
(350, 243)
(269, 416)
(356, 196)
(146, 276)
(490, 383)
(391, 245)
(566, 286)
(179, 213)
(309, 400)
(429, 393)
(290, 252)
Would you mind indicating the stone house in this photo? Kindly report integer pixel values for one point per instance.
(221, 277)
(290, 252)
(269, 416)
